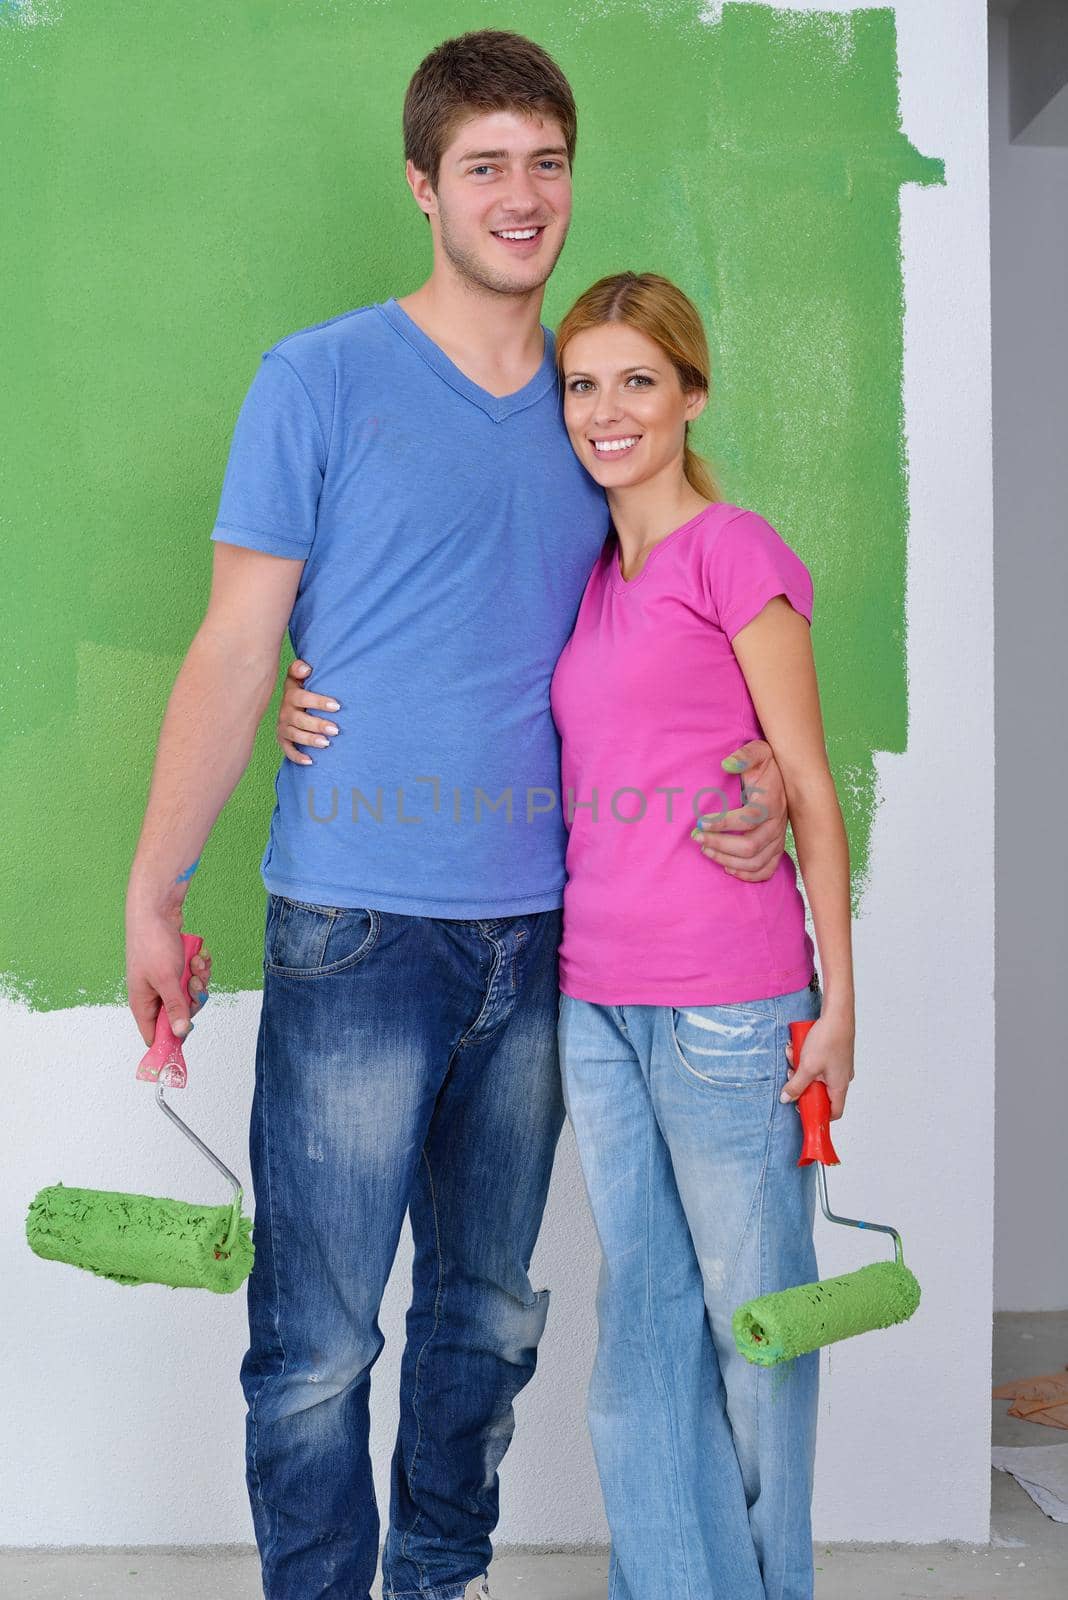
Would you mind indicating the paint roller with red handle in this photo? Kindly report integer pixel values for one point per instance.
(791, 1322)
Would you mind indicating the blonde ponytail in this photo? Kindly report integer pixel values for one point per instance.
(699, 475)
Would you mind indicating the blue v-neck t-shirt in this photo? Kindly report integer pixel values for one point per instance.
(447, 536)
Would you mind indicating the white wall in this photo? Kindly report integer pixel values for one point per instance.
(1029, 290)
(123, 1408)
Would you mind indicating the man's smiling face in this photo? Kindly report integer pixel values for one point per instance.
(502, 204)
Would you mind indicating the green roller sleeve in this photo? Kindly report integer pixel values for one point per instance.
(777, 1327)
(134, 1238)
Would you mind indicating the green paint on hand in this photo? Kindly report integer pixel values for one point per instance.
(187, 192)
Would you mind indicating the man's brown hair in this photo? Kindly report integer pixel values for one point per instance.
(489, 70)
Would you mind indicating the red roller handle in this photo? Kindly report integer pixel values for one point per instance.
(815, 1108)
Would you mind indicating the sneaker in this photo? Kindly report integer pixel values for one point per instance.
(478, 1589)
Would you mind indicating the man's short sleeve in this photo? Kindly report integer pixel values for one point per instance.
(747, 564)
(274, 475)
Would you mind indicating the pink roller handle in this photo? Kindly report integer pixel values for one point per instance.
(164, 1062)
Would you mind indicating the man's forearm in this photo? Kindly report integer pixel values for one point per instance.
(199, 762)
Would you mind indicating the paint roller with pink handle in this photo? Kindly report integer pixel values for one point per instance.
(136, 1239)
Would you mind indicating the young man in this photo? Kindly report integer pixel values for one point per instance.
(402, 494)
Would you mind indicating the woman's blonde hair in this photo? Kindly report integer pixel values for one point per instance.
(658, 308)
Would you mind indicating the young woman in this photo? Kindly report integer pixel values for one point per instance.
(679, 981)
(678, 978)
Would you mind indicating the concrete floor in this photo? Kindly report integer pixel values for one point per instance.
(1027, 1558)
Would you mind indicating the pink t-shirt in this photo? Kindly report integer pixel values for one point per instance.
(648, 697)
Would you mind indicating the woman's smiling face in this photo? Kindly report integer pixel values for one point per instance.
(624, 407)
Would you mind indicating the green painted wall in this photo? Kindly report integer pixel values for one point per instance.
(183, 184)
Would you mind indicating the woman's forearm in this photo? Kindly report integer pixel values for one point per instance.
(823, 857)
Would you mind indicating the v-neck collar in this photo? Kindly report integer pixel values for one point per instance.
(624, 585)
(496, 407)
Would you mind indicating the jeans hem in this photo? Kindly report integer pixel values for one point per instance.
(436, 1592)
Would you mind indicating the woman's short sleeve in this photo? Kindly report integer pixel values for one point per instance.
(747, 564)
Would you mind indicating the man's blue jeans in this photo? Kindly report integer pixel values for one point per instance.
(403, 1064)
(690, 1163)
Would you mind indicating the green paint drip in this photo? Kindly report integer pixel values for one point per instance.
(187, 192)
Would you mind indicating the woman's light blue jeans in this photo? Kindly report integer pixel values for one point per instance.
(690, 1163)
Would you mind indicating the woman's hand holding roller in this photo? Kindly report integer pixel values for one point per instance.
(828, 1056)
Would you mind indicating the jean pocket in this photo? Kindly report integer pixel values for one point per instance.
(310, 941)
(726, 1046)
